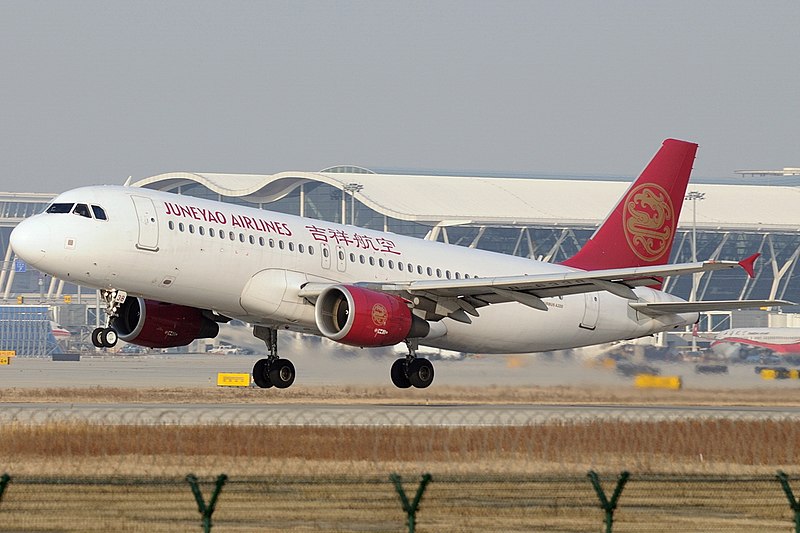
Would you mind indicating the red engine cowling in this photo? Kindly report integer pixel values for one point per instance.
(161, 325)
(361, 317)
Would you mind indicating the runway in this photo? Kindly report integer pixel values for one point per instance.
(361, 369)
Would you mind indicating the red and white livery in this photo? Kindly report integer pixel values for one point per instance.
(172, 267)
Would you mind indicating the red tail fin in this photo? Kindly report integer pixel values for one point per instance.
(641, 228)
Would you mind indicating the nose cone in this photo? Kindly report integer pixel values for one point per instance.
(28, 238)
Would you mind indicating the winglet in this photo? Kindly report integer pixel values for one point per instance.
(748, 263)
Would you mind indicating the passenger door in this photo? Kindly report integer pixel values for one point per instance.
(148, 223)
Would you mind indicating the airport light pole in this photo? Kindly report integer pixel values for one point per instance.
(694, 196)
(353, 188)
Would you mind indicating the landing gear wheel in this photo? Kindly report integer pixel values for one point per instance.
(108, 338)
(96, 332)
(398, 374)
(261, 374)
(420, 373)
(281, 373)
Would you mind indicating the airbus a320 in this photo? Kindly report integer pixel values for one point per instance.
(170, 268)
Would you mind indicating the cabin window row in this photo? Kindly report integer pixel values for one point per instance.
(391, 264)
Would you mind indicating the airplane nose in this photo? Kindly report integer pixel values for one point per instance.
(27, 240)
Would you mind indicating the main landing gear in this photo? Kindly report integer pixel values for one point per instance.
(412, 371)
(272, 371)
(107, 337)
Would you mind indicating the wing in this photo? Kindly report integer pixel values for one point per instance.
(458, 298)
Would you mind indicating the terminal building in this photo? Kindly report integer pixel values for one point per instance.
(537, 216)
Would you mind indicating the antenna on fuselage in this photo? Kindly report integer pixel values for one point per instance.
(128, 181)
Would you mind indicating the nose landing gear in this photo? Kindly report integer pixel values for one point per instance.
(107, 337)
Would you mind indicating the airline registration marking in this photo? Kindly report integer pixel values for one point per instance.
(236, 221)
(364, 242)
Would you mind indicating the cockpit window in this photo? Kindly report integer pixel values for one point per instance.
(82, 210)
(99, 212)
(59, 208)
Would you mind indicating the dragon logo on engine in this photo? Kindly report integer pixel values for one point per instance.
(379, 315)
(648, 219)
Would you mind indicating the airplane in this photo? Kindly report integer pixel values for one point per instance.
(171, 268)
(59, 332)
(729, 342)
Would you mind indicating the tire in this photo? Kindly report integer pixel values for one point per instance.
(96, 332)
(398, 374)
(420, 373)
(281, 373)
(261, 374)
(108, 338)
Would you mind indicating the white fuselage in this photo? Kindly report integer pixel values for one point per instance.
(249, 264)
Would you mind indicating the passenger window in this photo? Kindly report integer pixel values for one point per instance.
(352, 258)
(430, 271)
(310, 250)
(82, 210)
(280, 244)
(252, 239)
(325, 252)
(171, 225)
(99, 212)
(447, 274)
(241, 237)
(400, 266)
(438, 272)
(261, 241)
(201, 230)
(60, 208)
(391, 264)
(458, 275)
(191, 228)
(180, 226)
(361, 259)
(272, 243)
(372, 261)
(291, 246)
(221, 234)
(301, 248)
(419, 269)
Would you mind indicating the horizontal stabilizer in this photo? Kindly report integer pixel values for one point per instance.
(665, 308)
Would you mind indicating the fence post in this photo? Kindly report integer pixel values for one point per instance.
(609, 506)
(206, 510)
(784, 479)
(410, 507)
(4, 479)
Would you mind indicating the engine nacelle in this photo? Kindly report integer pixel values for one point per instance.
(362, 317)
(161, 325)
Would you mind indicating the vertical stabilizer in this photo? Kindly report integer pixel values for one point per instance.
(641, 228)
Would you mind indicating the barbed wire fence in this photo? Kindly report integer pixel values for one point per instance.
(97, 468)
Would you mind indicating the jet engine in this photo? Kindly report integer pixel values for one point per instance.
(161, 325)
(366, 318)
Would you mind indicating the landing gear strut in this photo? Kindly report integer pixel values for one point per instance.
(412, 371)
(272, 371)
(107, 337)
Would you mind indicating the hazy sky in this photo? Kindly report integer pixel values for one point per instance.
(92, 92)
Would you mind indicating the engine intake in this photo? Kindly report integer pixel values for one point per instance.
(362, 317)
(161, 325)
